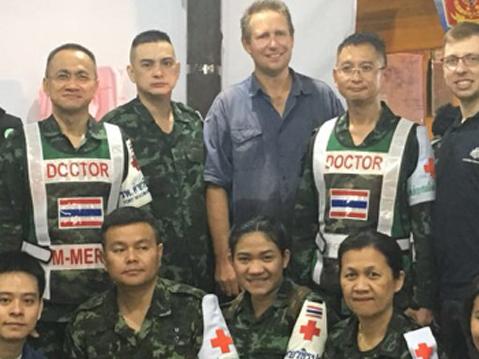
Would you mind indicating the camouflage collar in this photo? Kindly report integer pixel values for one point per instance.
(242, 303)
(161, 301)
(298, 86)
(50, 128)
(391, 345)
(284, 292)
(143, 112)
(386, 120)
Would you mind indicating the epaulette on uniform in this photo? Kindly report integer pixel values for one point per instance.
(117, 112)
(185, 108)
(99, 131)
(92, 303)
(230, 308)
(296, 299)
(180, 288)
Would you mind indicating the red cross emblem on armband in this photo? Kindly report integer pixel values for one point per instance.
(309, 330)
(430, 168)
(423, 351)
(222, 341)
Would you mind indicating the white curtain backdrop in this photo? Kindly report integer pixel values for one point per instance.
(320, 26)
(31, 28)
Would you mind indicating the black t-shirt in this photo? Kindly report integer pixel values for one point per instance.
(456, 209)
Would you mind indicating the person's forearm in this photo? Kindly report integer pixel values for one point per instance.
(218, 220)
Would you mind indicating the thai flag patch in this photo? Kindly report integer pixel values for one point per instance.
(349, 203)
(314, 311)
(80, 212)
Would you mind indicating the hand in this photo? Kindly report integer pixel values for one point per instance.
(225, 276)
(421, 316)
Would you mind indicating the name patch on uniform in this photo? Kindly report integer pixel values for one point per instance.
(78, 256)
(354, 162)
(76, 170)
(349, 204)
(80, 212)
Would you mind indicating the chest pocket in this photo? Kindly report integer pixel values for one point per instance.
(196, 154)
(248, 148)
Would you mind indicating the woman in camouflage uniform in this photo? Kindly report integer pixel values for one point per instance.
(262, 317)
(371, 273)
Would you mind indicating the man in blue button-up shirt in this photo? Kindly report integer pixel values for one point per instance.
(257, 131)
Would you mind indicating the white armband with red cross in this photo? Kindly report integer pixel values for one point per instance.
(217, 341)
(310, 331)
(421, 343)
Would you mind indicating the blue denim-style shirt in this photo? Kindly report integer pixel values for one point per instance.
(254, 153)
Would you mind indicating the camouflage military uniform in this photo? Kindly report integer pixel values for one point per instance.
(69, 286)
(7, 124)
(173, 168)
(342, 341)
(415, 219)
(266, 337)
(172, 328)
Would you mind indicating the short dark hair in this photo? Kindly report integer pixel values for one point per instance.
(273, 229)
(387, 246)
(147, 37)
(17, 261)
(69, 46)
(473, 293)
(128, 215)
(365, 38)
(260, 6)
(461, 31)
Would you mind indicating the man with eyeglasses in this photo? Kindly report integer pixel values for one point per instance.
(456, 209)
(372, 170)
(58, 179)
(168, 141)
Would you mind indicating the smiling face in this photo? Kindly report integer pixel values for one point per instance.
(358, 73)
(154, 69)
(463, 80)
(270, 44)
(259, 264)
(131, 254)
(367, 282)
(20, 305)
(70, 81)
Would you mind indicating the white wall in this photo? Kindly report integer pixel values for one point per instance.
(320, 26)
(31, 28)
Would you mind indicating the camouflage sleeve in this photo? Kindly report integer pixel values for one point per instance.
(304, 225)
(197, 326)
(72, 347)
(13, 190)
(424, 279)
